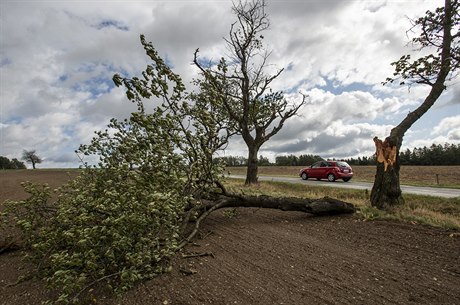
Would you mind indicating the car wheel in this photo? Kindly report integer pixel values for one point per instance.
(304, 176)
(331, 177)
(346, 179)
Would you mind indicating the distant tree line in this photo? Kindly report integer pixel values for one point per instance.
(290, 160)
(6, 163)
(361, 160)
(233, 161)
(447, 154)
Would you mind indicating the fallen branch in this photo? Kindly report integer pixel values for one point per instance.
(204, 214)
(21, 279)
(192, 255)
(203, 236)
(9, 247)
(320, 207)
(187, 271)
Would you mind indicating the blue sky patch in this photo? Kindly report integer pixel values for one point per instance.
(14, 120)
(207, 62)
(336, 89)
(96, 86)
(112, 23)
(63, 78)
(5, 61)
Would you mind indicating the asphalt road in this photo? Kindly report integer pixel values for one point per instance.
(419, 190)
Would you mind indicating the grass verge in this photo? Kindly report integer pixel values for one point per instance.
(428, 210)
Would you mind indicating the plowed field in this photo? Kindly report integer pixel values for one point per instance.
(275, 257)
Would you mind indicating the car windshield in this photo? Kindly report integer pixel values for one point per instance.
(343, 164)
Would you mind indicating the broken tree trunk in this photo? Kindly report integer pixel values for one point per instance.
(386, 191)
(321, 207)
(432, 70)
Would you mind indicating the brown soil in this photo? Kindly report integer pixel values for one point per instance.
(274, 257)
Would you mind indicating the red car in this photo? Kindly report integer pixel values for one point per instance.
(330, 170)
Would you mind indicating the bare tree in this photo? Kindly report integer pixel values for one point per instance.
(30, 156)
(243, 87)
(439, 31)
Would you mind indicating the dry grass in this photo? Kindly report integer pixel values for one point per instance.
(410, 175)
(433, 211)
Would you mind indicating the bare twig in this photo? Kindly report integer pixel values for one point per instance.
(21, 279)
(205, 214)
(9, 247)
(187, 271)
(75, 298)
(192, 255)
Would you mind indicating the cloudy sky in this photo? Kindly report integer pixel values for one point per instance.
(57, 59)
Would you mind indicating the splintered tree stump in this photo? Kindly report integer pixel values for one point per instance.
(386, 191)
(385, 153)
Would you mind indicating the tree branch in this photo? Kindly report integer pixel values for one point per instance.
(318, 207)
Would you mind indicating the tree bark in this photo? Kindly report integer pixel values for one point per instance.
(386, 191)
(320, 207)
(253, 168)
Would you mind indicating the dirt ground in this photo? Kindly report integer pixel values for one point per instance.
(274, 257)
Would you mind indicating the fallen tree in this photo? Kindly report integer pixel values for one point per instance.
(320, 207)
(116, 227)
(122, 219)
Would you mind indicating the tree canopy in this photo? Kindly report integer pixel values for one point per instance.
(121, 220)
(241, 86)
(14, 163)
(30, 156)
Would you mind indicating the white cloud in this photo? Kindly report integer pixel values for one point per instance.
(451, 126)
(453, 136)
(57, 60)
